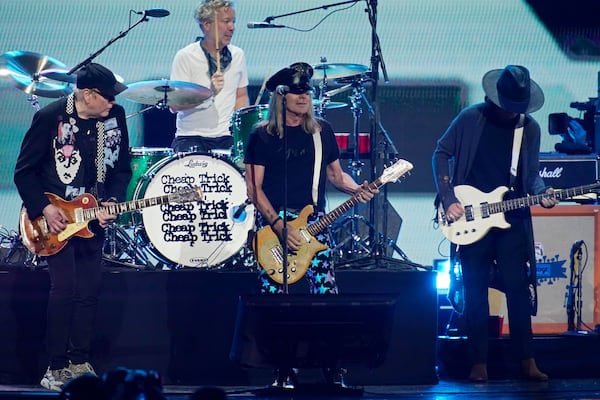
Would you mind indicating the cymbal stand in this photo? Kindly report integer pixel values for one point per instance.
(357, 245)
(33, 100)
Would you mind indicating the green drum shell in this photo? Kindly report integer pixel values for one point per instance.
(242, 124)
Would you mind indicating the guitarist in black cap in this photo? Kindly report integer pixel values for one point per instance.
(492, 144)
(76, 145)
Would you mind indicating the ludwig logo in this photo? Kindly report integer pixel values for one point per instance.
(555, 173)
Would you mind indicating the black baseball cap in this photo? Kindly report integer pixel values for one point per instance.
(96, 76)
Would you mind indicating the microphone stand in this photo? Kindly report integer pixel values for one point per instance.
(284, 232)
(324, 7)
(111, 41)
(377, 155)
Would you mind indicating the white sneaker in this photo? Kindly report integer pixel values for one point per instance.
(54, 378)
(81, 369)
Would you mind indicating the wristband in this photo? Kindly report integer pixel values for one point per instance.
(274, 222)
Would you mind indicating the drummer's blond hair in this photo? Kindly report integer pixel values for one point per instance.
(274, 122)
(206, 9)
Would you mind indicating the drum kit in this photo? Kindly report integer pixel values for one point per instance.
(215, 232)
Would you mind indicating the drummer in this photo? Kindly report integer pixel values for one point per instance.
(212, 61)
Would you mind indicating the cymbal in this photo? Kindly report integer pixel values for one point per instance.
(335, 71)
(27, 71)
(329, 105)
(169, 93)
(59, 74)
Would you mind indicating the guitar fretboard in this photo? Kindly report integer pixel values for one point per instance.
(340, 210)
(88, 214)
(514, 204)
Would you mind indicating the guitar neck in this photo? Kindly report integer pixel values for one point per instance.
(92, 213)
(522, 202)
(340, 210)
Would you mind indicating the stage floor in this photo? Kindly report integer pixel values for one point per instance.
(559, 389)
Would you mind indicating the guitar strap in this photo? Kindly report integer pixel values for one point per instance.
(100, 166)
(516, 149)
(317, 170)
(98, 189)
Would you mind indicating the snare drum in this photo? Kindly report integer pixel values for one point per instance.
(242, 123)
(198, 234)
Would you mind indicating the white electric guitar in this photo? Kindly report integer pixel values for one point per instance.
(484, 211)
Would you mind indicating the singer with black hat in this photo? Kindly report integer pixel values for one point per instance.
(292, 154)
(496, 144)
(76, 145)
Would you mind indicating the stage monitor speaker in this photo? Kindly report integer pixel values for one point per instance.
(312, 331)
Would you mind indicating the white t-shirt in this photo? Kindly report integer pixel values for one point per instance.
(212, 118)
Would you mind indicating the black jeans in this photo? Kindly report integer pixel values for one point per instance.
(75, 276)
(503, 250)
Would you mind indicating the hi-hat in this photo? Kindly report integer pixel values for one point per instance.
(35, 73)
(336, 71)
(167, 93)
(329, 105)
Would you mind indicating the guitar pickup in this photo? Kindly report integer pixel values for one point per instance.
(304, 233)
(276, 252)
(78, 213)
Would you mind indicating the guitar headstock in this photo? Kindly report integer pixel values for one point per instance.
(193, 193)
(396, 171)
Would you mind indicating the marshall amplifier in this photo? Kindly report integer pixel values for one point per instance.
(565, 171)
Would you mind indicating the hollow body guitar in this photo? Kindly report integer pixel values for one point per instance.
(268, 249)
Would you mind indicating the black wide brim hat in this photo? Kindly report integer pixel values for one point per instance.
(297, 77)
(513, 90)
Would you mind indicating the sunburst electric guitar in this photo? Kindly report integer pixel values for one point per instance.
(268, 249)
(84, 208)
(484, 211)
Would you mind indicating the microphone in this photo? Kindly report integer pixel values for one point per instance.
(154, 12)
(256, 25)
(282, 89)
(241, 208)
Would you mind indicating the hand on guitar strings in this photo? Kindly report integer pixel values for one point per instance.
(55, 217)
(549, 200)
(454, 212)
(105, 218)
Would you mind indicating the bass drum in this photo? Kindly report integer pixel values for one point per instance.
(198, 234)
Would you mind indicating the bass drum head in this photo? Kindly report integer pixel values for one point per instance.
(197, 234)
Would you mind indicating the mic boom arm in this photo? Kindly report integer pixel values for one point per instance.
(111, 41)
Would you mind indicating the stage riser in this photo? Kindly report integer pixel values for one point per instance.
(560, 356)
(180, 323)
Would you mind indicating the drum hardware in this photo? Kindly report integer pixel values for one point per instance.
(122, 247)
(320, 105)
(36, 74)
(163, 93)
(338, 71)
(354, 244)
